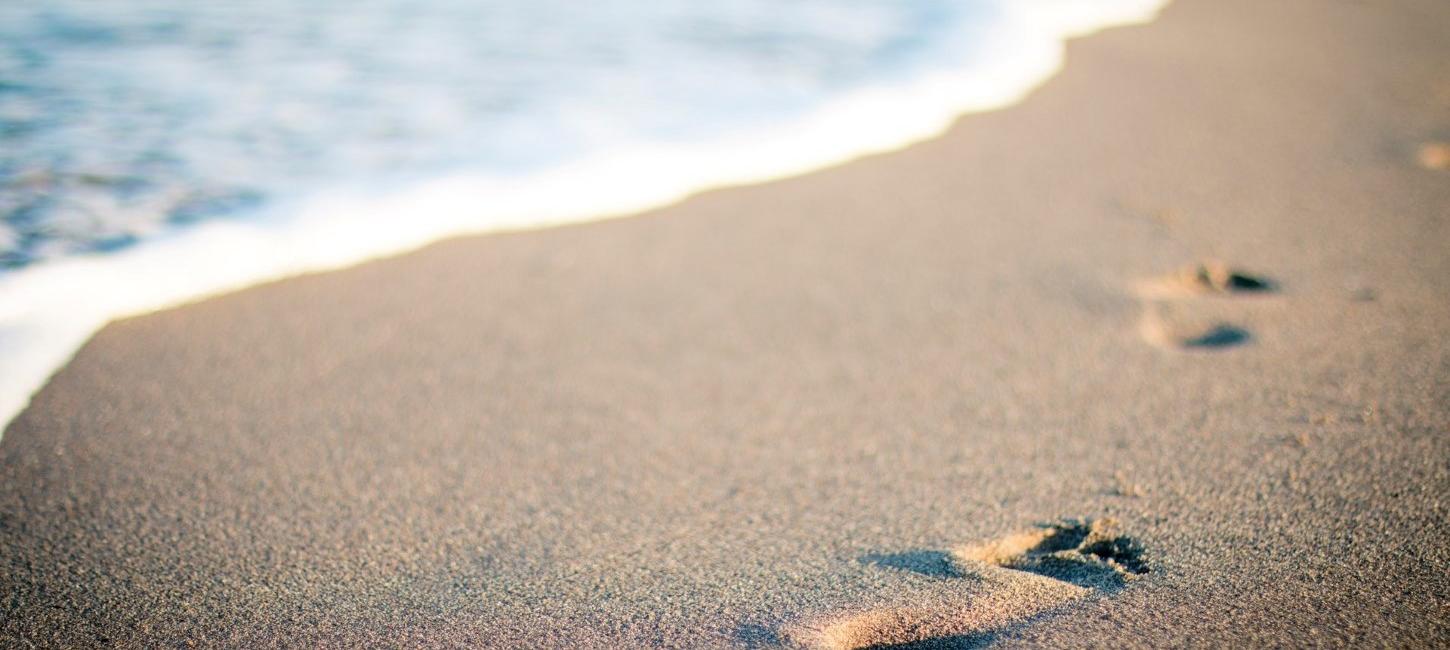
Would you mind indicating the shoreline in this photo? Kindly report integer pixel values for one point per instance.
(831, 410)
(48, 311)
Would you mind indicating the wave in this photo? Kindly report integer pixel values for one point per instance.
(49, 310)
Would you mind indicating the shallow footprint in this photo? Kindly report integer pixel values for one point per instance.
(1165, 300)
(1025, 574)
(1435, 155)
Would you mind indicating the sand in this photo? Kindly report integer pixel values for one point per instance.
(995, 388)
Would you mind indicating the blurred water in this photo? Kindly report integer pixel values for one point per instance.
(117, 118)
(154, 152)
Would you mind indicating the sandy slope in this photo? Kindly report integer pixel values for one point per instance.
(820, 411)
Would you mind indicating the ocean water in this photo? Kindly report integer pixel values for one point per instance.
(154, 152)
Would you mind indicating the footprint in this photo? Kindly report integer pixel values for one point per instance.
(1205, 278)
(1435, 155)
(1185, 333)
(1163, 322)
(1024, 575)
(1087, 554)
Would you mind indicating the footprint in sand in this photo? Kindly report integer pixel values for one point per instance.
(1169, 320)
(1435, 155)
(1210, 277)
(1024, 575)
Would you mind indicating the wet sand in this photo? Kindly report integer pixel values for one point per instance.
(1157, 357)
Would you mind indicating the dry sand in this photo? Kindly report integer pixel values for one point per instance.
(831, 410)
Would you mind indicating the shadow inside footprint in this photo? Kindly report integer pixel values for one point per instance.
(937, 564)
(954, 642)
(1244, 282)
(1220, 336)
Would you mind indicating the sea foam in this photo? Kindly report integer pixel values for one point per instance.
(48, 310)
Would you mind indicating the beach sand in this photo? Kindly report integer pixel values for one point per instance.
(1158, 357)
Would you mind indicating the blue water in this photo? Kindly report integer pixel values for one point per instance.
(118, 119)
(154, 152)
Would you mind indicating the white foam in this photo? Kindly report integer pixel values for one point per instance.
(49, 310)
